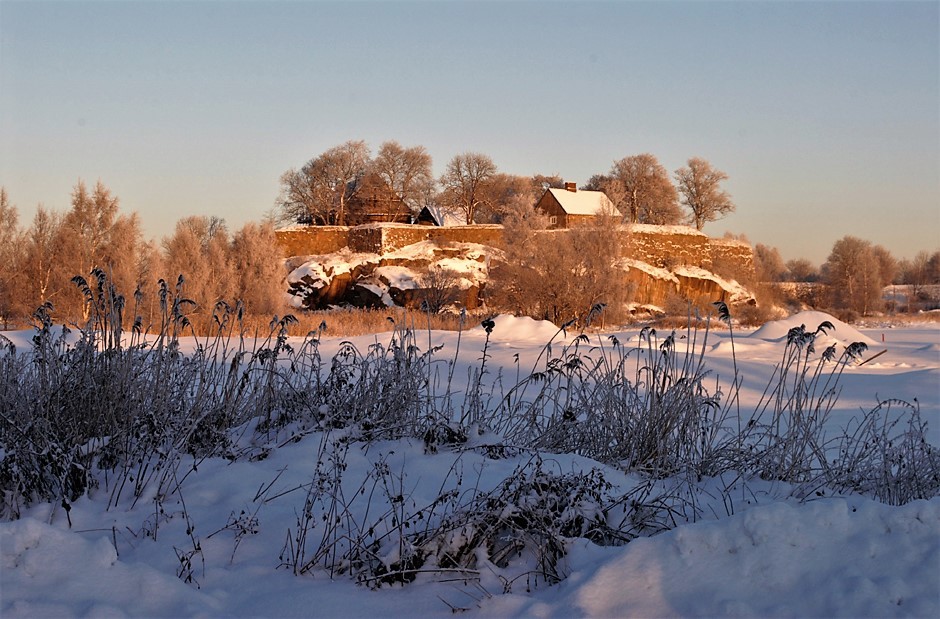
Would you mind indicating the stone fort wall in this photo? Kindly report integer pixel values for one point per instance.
(661, 246)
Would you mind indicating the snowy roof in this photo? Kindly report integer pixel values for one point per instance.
(442, 217)
(583, 202)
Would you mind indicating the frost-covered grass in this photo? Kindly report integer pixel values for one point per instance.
(475, 459)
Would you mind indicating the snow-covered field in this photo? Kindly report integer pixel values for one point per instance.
(756, 551)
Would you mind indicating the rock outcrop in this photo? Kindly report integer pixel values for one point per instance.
(395, 264)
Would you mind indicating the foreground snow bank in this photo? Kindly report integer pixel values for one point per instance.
(833, 557)
(829, 558)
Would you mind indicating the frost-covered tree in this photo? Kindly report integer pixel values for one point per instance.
(855, 275)
(319, 191)
(802, 270)
(700, 186)
(640, 188)
(44, 279)
(11, 261)
(557, 275)
(198, 250)
(406, 170)
(95, 234)
(768, 265)
(258, 268)
(465, 183)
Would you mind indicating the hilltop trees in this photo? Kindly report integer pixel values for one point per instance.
(465, 183)
(638, 185)
(319, 191)
(406, 170)
(640, 188)
(699, 184)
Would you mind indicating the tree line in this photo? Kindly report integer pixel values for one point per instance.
(855, 275)
(39, 261)
(321, 191)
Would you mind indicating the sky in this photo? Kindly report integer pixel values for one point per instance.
(825, 116)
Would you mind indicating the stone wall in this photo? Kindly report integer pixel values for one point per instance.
(661, 246)
(731, 251)
(668, 246)
(312, 240)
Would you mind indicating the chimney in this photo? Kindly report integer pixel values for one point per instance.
(571, 186)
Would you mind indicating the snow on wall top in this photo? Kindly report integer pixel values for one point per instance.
(667, 230)
(583, 202)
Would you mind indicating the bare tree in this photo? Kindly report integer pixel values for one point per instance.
(699, 184)
(915, 273)
(319, 191)
(640, 189)
(768, 265)
(465, 183)
(406, 170)
(198, 250)
(11, 258)
(557, 275)
(855, 276)
(802, 270)
(44, 279)
(258, 268)
(439, 288)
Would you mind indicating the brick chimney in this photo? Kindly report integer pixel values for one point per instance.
(571, 186)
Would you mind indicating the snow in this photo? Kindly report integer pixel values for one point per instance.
(766, 555)
(777, 330)
(509, 328)
(669, 230)
(737, 292)
(402, 278)
(649, 269)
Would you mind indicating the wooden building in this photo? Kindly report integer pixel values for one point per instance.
(572, 208)
(373, 201)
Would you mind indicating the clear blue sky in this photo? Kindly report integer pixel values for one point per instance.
(826, 116)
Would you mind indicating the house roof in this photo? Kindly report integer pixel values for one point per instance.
(583, 202)
(440, 216)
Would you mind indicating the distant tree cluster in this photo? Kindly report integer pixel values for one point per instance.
(38, 262)
(321, 191)
(854, 278)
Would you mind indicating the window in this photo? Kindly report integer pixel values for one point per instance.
(553, 220)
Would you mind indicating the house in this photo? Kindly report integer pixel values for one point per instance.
(373, 201)
(571, 207)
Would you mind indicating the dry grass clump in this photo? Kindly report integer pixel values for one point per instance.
(350, 322)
